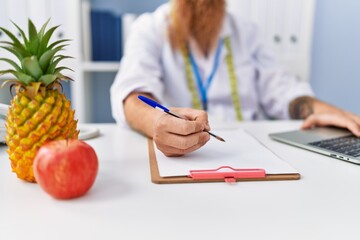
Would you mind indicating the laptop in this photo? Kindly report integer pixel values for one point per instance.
(334, 142)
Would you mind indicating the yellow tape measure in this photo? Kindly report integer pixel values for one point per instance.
(232, 77)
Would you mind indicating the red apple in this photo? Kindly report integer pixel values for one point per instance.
(66, 168)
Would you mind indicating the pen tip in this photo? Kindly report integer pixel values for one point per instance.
(220, 139)
(217, 137)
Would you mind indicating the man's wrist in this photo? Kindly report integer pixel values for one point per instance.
(301, 107)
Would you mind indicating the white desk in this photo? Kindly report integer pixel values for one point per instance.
(124, 204)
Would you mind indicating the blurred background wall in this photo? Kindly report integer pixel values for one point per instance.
(335, 74)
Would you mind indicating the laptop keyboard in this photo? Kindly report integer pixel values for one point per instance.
(349, 145)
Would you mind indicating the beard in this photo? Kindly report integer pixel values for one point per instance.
(200, 19)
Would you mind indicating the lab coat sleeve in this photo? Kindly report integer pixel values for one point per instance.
(140, 69)
(275, 85)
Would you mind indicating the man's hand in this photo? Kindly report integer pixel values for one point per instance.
(344, 120)
(175, 137)
(319, 113)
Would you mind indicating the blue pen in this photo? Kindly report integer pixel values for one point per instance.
(157, 105)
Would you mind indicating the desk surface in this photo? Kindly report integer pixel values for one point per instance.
(124, 204)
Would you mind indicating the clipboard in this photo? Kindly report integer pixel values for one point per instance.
(222, 173)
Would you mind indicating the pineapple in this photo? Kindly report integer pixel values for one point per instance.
(39, 111)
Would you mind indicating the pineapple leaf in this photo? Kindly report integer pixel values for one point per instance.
(59, 69)
(16, 41)
(42, 30)
(22, 77)
(12, 63)
(51, 68)
(45, 40)
(26, 42)
(32, 67)
(48, 78)
(2, 72)
(32, 30)
(8, 43)
(10, 49)
(21, 52)
(63, 77)
(62, 56)
(14, 81)
(39, 58)
(58, 42)
(46, 58)
(33, 38)
(33, 88)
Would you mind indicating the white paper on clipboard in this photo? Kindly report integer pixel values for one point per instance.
(240, 151)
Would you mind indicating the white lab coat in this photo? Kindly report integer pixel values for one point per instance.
(150, 65)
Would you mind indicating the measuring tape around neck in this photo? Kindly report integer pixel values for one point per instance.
(232, 78)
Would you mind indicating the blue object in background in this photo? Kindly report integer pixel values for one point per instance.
(95, 34)
(106, 36)
(117, 38)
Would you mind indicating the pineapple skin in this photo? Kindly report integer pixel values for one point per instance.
(31, 122)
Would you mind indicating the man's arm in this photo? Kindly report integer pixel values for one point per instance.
(319, 113)
(139, 116)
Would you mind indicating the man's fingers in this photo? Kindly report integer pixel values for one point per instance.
(353, 117)
(316, 120)
(194, 115)
(332, 120)
(180, 126)
(182, 143)
(171, 151)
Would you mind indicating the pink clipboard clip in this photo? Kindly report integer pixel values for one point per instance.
(227, 173)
